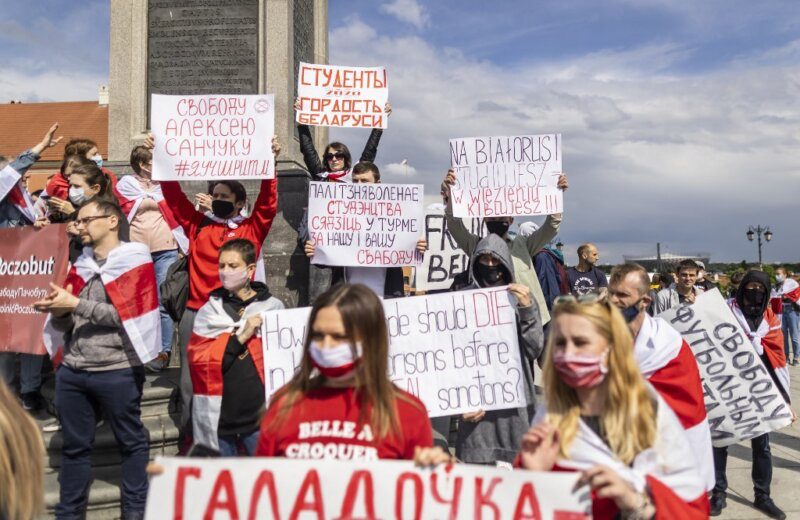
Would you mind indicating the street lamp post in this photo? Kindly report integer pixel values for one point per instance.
(759, 230)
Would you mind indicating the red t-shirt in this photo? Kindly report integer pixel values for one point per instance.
(324, 425)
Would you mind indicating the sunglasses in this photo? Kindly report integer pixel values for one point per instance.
(335, 155)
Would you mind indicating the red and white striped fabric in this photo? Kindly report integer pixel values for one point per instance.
(130, 282)
(789, 290)
(768, 339)
(12, 188)
(131, 194)
(261, 271)
(668, 363)
(212, 330)
(668, 469)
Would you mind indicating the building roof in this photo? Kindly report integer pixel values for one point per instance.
(22, 125)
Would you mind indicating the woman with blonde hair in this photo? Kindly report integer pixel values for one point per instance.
(21, 461)
(602, 418)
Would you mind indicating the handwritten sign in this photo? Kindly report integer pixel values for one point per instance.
(443, 260)
(506, 176)
(457, 352)
(742, 401)
(29, 261)
(352, 97)
(365, 224)
(213, 137)
(285, 488)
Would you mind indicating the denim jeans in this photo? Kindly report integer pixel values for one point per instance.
(761, 472)
(789, 325)
(30, 371)
(228, 445)
(161, 262)
(118, 393)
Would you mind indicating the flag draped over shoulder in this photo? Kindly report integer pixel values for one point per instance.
(13, 190)
(130, 195)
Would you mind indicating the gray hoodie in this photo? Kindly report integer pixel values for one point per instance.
(497, 436)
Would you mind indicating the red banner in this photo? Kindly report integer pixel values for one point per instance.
(29, 261)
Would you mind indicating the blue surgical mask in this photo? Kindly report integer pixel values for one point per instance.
(631, 312)
(98, 159)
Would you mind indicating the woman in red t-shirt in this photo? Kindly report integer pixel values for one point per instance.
(341, 403)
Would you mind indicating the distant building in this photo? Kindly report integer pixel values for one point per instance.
(668, 260)
(22, 125)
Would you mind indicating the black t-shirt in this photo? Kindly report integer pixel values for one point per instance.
(584, 283)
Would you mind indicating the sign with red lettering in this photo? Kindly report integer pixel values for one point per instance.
(213, 137)
(29, 261)
(506, 176)
(351, 97)
(291, 489)
(457, 352)
(371, 225)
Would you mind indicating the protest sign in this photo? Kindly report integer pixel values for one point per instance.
(352, 97)
(457, 352)
(29, 261)
(365, 224)
(742, 401)
(506, 176)
(212, 137)
(443, 260)
(290, 489)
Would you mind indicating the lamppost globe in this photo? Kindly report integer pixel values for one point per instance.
(768, 235)
(751, 235)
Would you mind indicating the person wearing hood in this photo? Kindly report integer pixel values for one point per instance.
(493, 437)
(752, 310)
(522, 247)
(226, 359)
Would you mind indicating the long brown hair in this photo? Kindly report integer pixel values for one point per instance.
(365, 323)
(629, 412)
(21, 461)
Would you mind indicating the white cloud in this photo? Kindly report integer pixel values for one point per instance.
(408, 11)
(49, 86)
(405, 171)
(653, 156)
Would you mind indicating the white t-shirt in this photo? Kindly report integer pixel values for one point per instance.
(372, 277)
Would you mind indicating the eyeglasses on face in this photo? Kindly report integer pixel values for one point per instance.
(85, 220)
(334, 155)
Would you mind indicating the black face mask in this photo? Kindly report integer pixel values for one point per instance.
(630, 312)
(753, 300)
(498, 227)
(488, 276)
(222, 208)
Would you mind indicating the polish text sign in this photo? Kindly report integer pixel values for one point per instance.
(351, 97)
(506, 176)
(742, 401)
(213, 137)
(457, 352)
(365, 224)
(287, 488)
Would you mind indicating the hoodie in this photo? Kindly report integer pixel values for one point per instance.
(497, 436)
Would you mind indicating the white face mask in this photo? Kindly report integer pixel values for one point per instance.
(234, 280)
(334, 361)
(780, 278)
(77, 195)
(98, 159)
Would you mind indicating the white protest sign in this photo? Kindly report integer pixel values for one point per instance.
(352, 97)
(506, 176)
(742, 401)
(212, 137)
(365, 224)
(457, 352)
(289, 489)
(443, 260)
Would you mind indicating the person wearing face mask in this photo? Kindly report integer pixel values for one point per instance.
(752, 311)
(493, 437)
(665, 360)
(226, 346)
(522, 248)
(601, 418)
(341, 404)
(785, 299)
(58, 186)
(153, 224)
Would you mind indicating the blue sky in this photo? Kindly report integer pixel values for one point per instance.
(680, 120)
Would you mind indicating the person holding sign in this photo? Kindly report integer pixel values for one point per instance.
(522, 248)
(752, 310)
(601, 418)
(665, 360)
(336, 164)
(493, 437)
(225, 356)
(341, 404)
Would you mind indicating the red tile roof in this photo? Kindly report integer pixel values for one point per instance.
(22, 125)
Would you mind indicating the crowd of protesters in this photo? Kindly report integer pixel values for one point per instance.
(622, 401)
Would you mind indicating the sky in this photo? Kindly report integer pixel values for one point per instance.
(680, 120)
